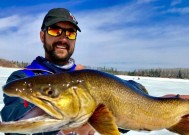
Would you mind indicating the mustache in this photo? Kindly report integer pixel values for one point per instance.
(60, 43)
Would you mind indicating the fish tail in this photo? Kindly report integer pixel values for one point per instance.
(182, 127)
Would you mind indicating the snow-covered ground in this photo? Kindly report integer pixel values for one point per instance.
(155, 86)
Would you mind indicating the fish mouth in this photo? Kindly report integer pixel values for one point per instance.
(57, 115)
(44, 105)
(48, 107)
(34, 112)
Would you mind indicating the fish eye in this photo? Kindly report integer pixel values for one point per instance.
(49, 91)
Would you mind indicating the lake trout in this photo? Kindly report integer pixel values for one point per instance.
(105, 101)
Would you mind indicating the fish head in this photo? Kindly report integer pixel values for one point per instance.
(58, 95)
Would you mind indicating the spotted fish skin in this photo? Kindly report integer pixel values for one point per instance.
(86, 95)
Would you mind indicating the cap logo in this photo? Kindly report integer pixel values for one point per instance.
(72, 17)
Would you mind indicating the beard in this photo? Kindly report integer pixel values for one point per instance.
(54, 55)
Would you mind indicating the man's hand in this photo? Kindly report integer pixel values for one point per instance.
(84, 130)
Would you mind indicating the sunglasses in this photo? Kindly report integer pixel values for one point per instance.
(56, 31)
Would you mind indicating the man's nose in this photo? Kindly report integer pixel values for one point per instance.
(63, 37)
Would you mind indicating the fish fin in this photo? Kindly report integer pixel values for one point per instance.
(103, 121)
(182, 127)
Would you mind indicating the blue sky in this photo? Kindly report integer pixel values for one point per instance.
(124, 34)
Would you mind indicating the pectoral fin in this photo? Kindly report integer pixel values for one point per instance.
(182, 127)
(103, 122)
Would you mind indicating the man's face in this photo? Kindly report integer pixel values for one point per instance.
(58, 49)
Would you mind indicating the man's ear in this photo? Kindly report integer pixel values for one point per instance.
(42, 36)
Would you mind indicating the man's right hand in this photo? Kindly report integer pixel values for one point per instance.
(84, 130)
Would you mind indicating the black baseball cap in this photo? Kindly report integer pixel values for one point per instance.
(56, 15)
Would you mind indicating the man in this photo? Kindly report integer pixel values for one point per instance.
(58, 35)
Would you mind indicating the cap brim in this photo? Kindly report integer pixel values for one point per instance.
(56, 20)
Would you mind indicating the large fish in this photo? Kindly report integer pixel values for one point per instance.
(105, 101)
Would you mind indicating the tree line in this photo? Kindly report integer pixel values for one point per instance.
(181, 73)
(20, 64)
